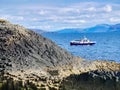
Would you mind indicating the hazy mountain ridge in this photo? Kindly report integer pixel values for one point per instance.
(96, 29)
(69, 30)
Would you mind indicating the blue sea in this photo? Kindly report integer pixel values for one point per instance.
(107, 45)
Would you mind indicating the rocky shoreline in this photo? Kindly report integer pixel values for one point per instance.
(93, 80)
(29, 61)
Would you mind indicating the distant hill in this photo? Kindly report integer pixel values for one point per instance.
(115, 27)
(96, 29)
(69, 30)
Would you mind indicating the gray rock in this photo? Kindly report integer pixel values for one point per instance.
(93, 80)
(26, 49)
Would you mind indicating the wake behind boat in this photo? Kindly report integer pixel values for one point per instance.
(83, 41)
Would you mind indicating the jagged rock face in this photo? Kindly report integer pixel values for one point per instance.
(23, 49)
(93, 80)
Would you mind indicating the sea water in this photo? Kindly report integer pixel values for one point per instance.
(107, 45)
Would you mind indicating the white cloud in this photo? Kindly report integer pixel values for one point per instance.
(83, 21)
(74, 21)
(69, 10)
(114, 19)
(108, 8)
(34, 19)
(55, 17)
(10, 17)
(44, 27)
(91, 9)
(42, 12)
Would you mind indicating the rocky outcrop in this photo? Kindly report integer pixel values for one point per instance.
(95, 75)
(26, 55)
(31, 62)
(22, 49)
(93, 80)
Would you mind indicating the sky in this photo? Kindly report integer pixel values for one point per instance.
(51, 15)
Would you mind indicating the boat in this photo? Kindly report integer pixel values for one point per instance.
(84, 41)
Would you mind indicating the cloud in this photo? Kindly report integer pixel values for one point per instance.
(47, 17)
(108, 8)
(114, 20)
(42, 12)
(10, 17)
(74, 21)
(46, 27)
(91, 9)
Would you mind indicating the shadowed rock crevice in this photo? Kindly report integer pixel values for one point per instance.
(92, 80)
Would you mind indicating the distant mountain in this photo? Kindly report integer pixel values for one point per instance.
(69, 30)
(96, 29)
(115, 27)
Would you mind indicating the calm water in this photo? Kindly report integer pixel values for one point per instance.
(106, 48)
